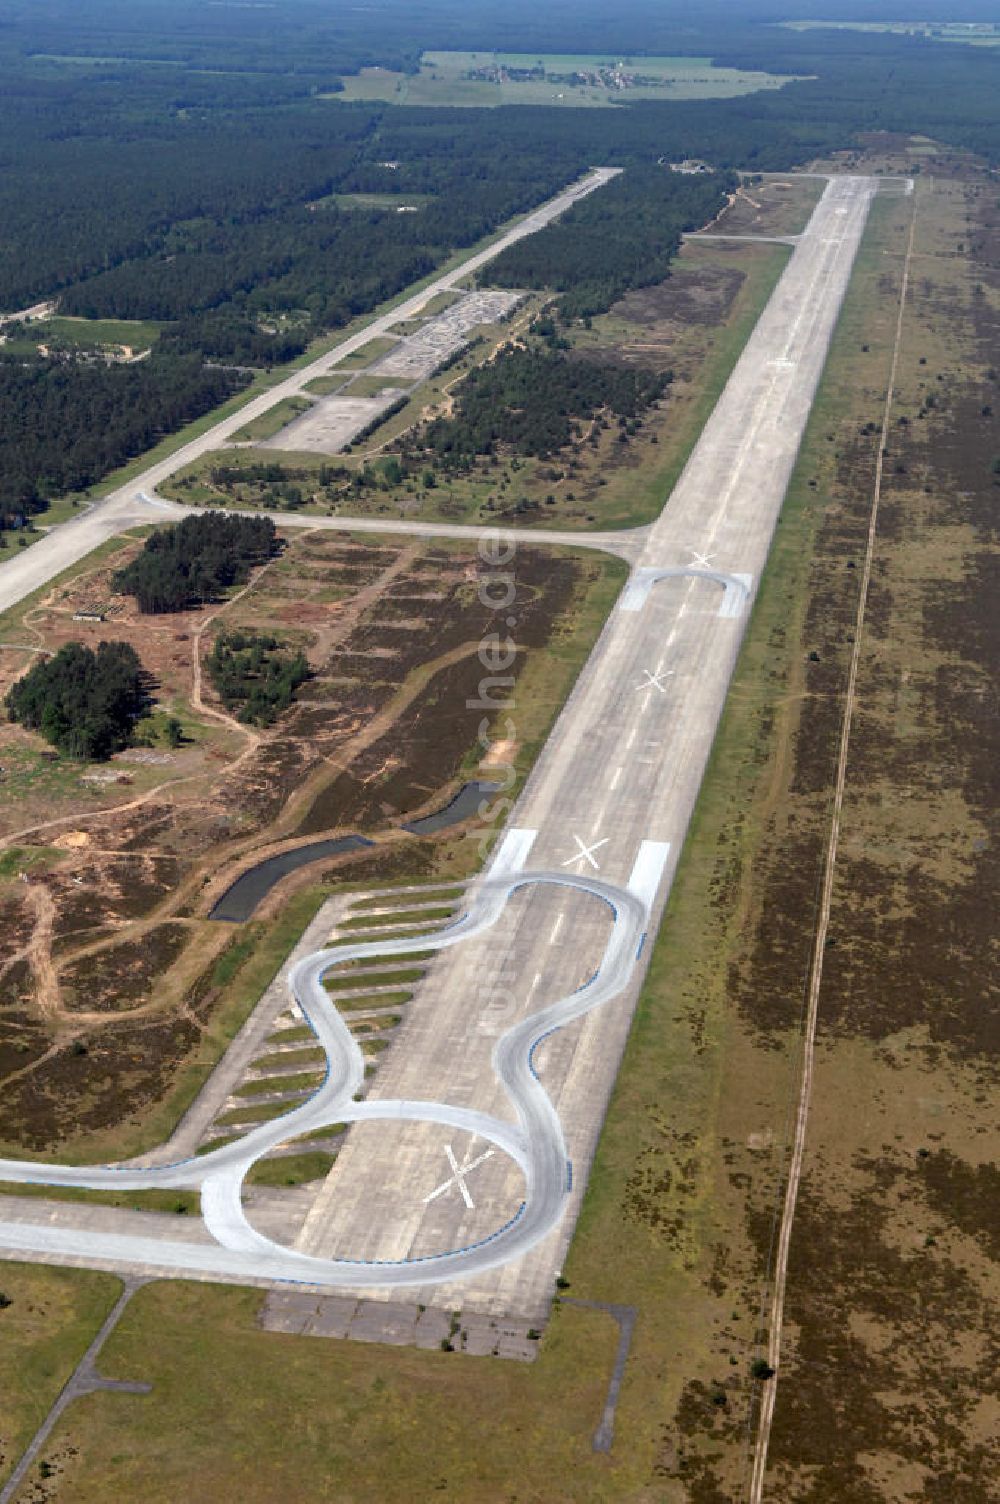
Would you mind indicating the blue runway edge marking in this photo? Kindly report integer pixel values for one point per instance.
(642, 941)
(534, 1047)
(428, 1258)
(569, 1175)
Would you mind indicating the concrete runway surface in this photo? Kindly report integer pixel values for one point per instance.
(463, 1173)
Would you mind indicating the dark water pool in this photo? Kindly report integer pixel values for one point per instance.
(464, 805)
(240, 900)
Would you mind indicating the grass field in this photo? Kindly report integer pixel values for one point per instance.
(325, 386)
(273, 421)
(178, 1203)
(444, 80)
(403, 201)
(372, 386)
(359, 359)
(51, 1319)
(972, 33)
(133, 332)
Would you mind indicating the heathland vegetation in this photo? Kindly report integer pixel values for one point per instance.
(195, 560)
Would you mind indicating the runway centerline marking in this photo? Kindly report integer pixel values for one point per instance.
(615, 777)
(586, 851)
(458, 1176)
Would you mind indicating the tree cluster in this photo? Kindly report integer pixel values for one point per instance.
(193, 561)
(532, 400)
(233, 338)
(622, 237)
(67, 425)
(85, 703)
(253, 678)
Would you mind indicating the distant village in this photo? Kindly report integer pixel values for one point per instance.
(604, 76)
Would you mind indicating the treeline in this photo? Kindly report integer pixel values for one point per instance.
(623, 236)
(135, 187)
(67, 425)
(253, 677)
(193, 561)
(84, 703)
(232, 337)
(101, 160)
(226, 280)
(533, 401)
(328, 267)
(138, 193)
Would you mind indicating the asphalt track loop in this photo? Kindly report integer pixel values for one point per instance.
(535, 1142)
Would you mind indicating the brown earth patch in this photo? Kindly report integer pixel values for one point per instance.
(107, 929)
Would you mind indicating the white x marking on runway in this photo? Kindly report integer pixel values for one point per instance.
(702, 559)
(586, 851)
(654, 680)
(458, 1178)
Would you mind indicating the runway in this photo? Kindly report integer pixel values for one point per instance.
(510, 1048)
(135, 503)
(535, 1144)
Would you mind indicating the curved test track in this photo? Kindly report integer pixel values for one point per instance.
(535, 1143)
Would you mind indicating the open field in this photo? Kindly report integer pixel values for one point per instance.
(972, 33)
(483, 79)
(273, 421)
(680, 1212)
(129, 336)
(779, 204)
(48, 1320)
(359, 359)
(897, 1214)
(401, 202)
(237, 1409)
(118, 990)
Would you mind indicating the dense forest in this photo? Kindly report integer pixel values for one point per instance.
(203, 181)
(172, 162)
(625, 236)
(84, 703)
(67, 424)
(532, 400)
(253, 677)
(193, 561)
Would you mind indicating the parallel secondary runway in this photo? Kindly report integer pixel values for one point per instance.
(130, 505)
(609, 799)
